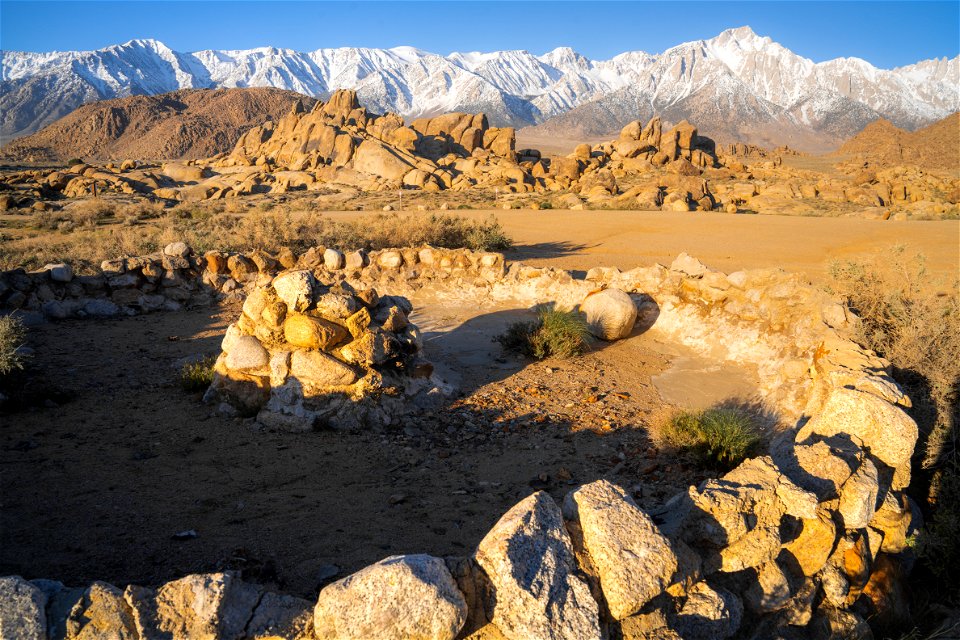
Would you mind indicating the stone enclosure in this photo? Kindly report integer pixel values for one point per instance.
(804, 541)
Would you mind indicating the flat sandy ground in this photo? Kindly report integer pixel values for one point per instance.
(579, 240)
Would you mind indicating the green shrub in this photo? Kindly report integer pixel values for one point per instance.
(12, 335)
(197, 376)
(72, 162)
(554, 334)
(720, 436)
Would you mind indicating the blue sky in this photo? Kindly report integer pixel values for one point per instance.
(887, 34)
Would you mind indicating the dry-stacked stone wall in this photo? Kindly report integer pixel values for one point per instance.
(798, 543)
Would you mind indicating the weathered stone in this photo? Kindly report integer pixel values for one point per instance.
(529, 560)
(278, 616)
(60, 272)
(398, 598)
(370, 349)
(858, 496)
(178, 249)
(634, 560)
(309, 332)
(888, 433)
(337, 306)
(610, 314)
(893, 520)
(813, 544)
(296, 289)
(22, 614)
(100, 308)
(103, 614)
(688, 265)
(316, 368)
(205, 606)
(709, 614)
(357, 323)
(246, 353)
(333, 259)
(390, 260)
(770, 591)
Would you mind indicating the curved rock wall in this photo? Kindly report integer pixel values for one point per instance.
(801, 542)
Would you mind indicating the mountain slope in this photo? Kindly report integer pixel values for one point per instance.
(738, 70)
(190, 123)
(934, 147)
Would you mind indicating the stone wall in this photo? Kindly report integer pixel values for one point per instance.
(803, 542)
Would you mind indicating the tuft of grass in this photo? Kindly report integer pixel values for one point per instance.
(12, 335)
(722, 437)
(197, 376)
(554, 334)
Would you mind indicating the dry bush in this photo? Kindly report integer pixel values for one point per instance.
(87, 213)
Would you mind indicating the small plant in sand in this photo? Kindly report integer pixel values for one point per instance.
(197, 376)
(721, 436)
(12, 335)
(554, 334)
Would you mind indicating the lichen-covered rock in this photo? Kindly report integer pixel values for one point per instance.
(280, 616)
(22, 613)
(610, 314)
(889, 434)
(634, 560)
(398, 598)
(295, 288)
(813, 543)
(709, 614)
(893, 520)
(528, 558)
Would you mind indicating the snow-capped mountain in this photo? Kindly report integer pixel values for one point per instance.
(737, 78)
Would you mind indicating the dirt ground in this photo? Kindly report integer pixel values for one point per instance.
(115, 459)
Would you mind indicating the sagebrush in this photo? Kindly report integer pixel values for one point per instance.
(197, 376)
(721, 436)
(554, 334)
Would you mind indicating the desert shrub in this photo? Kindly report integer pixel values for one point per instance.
(546, 204)
(72, 162)
(12, 335)
(197, 376)
(720, 436)
(554, 334)
(87, 213)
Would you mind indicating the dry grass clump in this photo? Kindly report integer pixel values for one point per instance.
(907, 322)
(721, 436)
(12, 335)
(554, 334)
(197, 376)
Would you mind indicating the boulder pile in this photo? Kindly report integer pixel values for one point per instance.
(305, 354)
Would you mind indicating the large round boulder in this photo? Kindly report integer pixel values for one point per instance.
(610, 314)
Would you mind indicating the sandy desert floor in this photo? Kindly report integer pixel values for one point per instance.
(579, 240)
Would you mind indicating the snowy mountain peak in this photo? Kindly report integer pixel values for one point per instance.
(738, 67)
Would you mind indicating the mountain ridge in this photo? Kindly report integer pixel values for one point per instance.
(514, 87)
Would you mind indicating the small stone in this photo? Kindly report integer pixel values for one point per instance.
(177, 249)
(358, 323)
(333, 260)
(60, 272)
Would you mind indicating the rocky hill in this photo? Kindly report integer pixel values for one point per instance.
(933, 147)
(736, 77)
(190, 123)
